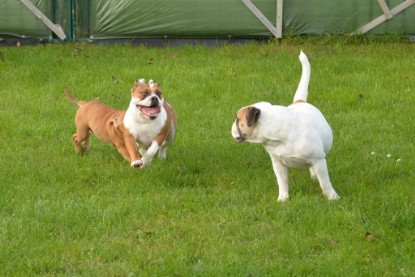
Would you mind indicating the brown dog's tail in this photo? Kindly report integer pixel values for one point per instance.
(73, 99)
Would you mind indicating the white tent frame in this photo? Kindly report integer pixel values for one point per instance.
(387, 15)
(57, 29)
(275, 30)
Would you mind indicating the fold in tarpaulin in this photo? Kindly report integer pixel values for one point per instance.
(102, 19)
(172, 18)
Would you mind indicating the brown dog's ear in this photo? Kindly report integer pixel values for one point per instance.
(252, 116)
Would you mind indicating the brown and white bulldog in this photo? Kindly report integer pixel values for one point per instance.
(151, 121)
(147, 123)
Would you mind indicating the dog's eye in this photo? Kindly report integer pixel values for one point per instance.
(158, 93)
(145, 94)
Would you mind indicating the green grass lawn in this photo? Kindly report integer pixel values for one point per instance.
(211, 208)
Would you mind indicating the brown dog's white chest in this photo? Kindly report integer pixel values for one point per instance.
(145, 130)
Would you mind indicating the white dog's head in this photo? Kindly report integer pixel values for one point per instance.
(148, 98)
(244, 124)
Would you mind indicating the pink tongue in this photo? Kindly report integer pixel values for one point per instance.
(150, 111)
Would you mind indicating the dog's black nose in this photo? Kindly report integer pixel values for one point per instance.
(154, 101)
(240, 139)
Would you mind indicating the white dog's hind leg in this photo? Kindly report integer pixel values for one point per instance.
(281, 172)
(313, 174)
(320, 169)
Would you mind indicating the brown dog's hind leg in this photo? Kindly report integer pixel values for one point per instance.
(86, 144)
(81, 140)
(78, 144)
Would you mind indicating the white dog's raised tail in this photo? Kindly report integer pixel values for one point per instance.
(302, 90)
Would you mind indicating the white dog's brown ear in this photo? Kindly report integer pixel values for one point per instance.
(252, 116)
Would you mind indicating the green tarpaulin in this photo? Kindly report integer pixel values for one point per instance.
(102, 19)
(16, 20)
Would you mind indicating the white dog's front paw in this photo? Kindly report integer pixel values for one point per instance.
(282, 197)
(136, 164)
(332, 195)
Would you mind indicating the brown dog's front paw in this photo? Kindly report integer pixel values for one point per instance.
(136, 164)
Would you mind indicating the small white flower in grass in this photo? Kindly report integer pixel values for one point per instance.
(373, 153)
(388, 155)
(398, 160)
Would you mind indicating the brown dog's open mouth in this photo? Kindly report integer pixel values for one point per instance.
(150, 112)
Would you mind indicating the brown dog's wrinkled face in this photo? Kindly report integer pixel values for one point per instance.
(155, 88)
(244, 124)
(147, 98)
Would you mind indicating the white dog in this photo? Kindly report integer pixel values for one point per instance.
(295, 136)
